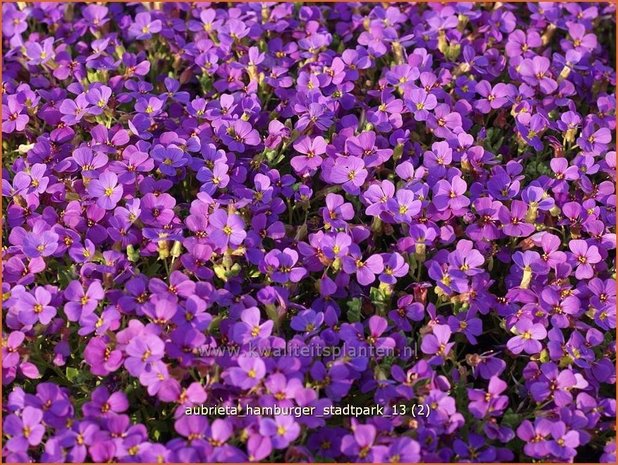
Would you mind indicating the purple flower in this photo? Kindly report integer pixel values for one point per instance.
(106, 190)
(101, 356)
(420, 103)
(250, 371)
(437, 342)
(528, 337)
(24, 431)
(141, 351)
(35, 308)
(40, 244)
(450, 195)
(365, 270)
(554, 384)
(350, 172)
(493, 98)
(491, 402)
(98, 98)
(404, 207)
(13, 116)
(150, 107)
(40, 53)
(337, 212)
(82, 302)
(535, 436)
(237, 134)
(144, 26)
(74, 110)
(535, 71)
(584, 257)
(394, 267)
(233, 206)
(307, 321)
(170, 158)
(250, 329)
(282, 430)
(311, 150)
(279, 265)
(361, 443)
(105, 404)
(520, 43)
(514, 220)
(226, 229)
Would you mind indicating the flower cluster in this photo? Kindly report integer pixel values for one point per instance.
(216, 205)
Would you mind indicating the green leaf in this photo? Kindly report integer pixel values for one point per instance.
(354, 310)
(511, 418)
(72, 374)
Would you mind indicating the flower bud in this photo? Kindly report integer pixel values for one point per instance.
(163, 249)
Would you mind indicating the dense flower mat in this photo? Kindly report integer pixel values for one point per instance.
(400, 207)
